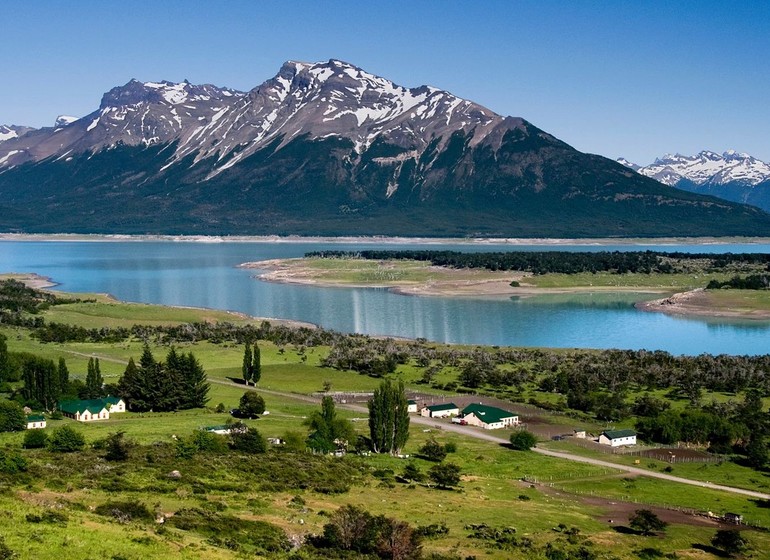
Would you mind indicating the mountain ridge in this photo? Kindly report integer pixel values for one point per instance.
(328, 148)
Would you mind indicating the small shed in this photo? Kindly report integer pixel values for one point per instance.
(440, 410)
(616, 438)
(223, 430)
(734, 518)
(35, 422)
(411, 405)
(578, 433)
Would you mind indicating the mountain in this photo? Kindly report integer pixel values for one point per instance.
(330, 149)
(733, 176)
(7, 132)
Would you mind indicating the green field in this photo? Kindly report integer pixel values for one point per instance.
(491, 492)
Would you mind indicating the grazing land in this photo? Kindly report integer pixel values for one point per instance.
(210, 501)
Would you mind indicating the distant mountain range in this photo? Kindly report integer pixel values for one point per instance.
(329, 149)
(732, 176)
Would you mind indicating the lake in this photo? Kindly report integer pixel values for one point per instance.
(204, 274)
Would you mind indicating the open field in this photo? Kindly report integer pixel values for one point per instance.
(578, 495)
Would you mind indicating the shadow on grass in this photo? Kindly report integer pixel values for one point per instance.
(238, 380)
(711, 550)
(765, 504)
(623, 530)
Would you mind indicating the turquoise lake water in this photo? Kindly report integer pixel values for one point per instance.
(205, 275)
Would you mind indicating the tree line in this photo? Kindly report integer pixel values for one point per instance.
(177, 383)
(562, 262)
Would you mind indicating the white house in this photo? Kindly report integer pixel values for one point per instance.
(489, 417)
(115, 404)
(440, 410)
(86, 411)
(411, 406)
(35, 422)
(616, 438)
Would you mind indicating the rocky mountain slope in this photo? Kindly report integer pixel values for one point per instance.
(328, 148)
(731, 175)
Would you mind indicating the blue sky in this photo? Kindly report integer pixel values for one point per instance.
(633, 79)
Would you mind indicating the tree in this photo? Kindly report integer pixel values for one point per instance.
(412, 472)
(64, 375)
(5, 366)
(522, 440)
(247, 369)
(445, 475)
(328, 432)
(41, 382)
(94, 379)
(194, 383)
(66, 440)
(732, 542)
(12, 417)
(389, 418)
(256, 365)
(251, 405)
(646, 522)
(433, 451)
(117, 447)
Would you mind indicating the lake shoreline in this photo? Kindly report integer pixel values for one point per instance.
(375, 239)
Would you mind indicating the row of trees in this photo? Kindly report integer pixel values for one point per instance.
(252, 364)
(177, 383)
(563, 262)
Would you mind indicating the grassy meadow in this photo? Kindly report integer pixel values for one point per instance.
(296, 491)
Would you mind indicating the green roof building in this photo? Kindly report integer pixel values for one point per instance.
(489, 417)
(440, 410)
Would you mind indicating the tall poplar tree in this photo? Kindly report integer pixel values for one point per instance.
(64, 375)
(41, 382)
(256, 365)
(389, 418)
(247, 369)
(94, 379)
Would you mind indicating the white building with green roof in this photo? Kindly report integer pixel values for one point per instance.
(35, 422)
(489, 417)
(616, 438)
(92, 409)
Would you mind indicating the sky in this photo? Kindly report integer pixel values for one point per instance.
(633, 79)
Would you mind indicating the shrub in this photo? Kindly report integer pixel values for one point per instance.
(125, 512)
(249, 441)
(12, 463)
(35, 439)
(12, 417)
(433, 451)
(445, 475)
(117, 447)
(523, 440)
(66, 439)
(5, 551)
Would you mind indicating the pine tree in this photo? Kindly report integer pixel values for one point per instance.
(256, 365)
(132, 386)
(247, 369)
(196, 386)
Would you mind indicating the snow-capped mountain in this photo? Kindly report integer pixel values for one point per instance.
(64, 120)
(731, 175)
(328, 148)
(706, 167)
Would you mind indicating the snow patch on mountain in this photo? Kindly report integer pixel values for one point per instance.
(64, 120)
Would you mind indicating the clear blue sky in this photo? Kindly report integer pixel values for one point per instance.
(634, 79)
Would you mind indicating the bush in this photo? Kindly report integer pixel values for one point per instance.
(66, 439)
(12, 463)
(445, 475)
(35, 439)
(249, 441)
(523, 440)
(117, 447)
(12, 417)
(433, 451)
(125, 512)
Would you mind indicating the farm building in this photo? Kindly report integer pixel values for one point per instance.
(116, 404)
(440, 410)
(85, 411)
(93, 409)
(411, 406)
(616, 438)
(489, 417)
(35, 421)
